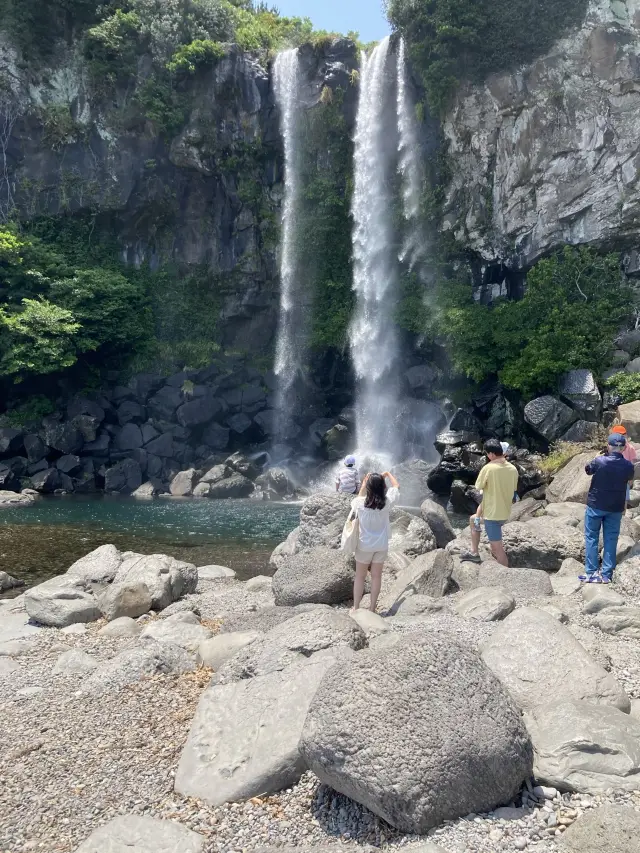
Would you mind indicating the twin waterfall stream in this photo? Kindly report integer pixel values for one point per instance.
(383, 154)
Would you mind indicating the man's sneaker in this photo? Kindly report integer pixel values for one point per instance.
(589, 578)
(468, 557)
(605, 580)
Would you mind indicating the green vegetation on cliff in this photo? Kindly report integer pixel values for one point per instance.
(453, 40)
(574, 304)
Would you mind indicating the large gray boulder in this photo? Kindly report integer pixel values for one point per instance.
(580, 390)
(61, 601)
(130, 598)
(143, 660)
(244, 740)
(319, 631)
(597, 597)
(585, 748)
(217, 650)
(235, 486)
(429, 575)
(264, 619)
(410, 535)
(285, 549)
(611, 828)
(542, 543)
(167, 579)
(571, 483)
(140, 834)
(75, 662)
(626, 578)
(629, 417)
(182, 629)
(7, 581)
(438, 520)
(485, 604)
(397, 731)
(549, 417)
(535, 657)
(322, 518)
(183, 483)
(524, 584)
(620, 620)
(317, 576)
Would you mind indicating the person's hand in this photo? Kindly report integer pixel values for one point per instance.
(384, 475)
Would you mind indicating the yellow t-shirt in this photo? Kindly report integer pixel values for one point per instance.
(498, 481)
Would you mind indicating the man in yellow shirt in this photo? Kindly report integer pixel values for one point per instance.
(498, 482)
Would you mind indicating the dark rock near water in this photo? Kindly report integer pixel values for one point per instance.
(455, 438)
(161, 446)
(35, 447)
(457, 463)
(83, 406)
(46, 481)
(70, 465)
(464, 421)
(11, 441)
(581, 431)
(65, 438)
(87, 426)
(216, 437)
(464, 498)
(236, 486)
(125, 477)
(98, 448)
(129, 437)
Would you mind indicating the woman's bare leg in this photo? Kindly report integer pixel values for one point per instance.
(358, 584)
(376, 584)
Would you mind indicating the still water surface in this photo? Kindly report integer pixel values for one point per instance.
(43, 540)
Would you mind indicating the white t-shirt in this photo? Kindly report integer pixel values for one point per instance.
(348, 480)
(374, 523)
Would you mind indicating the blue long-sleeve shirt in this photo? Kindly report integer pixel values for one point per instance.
(610, 475)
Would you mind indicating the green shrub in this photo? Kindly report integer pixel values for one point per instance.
(38, 339)
(112, 48)
(453, 40)
(573, 306)
(188, 57)
(59, 126)
(626, 385)
(35, 408)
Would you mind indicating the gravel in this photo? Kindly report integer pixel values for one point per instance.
(69, 762)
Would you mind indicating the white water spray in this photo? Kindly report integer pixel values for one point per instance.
(409, 165)
(291, 341)
(373, 338)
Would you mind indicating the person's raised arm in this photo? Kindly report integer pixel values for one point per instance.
(392, 479)
(363, 487)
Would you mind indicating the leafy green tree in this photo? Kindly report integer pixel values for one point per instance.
(39, 339)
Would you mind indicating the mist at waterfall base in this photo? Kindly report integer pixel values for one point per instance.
(387, 424)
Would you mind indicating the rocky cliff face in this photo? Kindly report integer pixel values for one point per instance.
(550, 153)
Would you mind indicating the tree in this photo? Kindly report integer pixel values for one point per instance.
(39, 339)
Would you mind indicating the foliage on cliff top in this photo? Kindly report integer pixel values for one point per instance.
(453, 40)
(568, 318)
(625, 385)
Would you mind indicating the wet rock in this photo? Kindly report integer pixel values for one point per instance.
(464, 499)
(236, 486)
(46, 481)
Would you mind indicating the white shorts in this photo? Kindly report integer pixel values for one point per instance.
(369, 557)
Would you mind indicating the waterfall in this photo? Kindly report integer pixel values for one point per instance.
(291, 340)
(373, 337)
(409, 165)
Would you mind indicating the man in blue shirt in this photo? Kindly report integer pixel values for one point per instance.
(611, 473)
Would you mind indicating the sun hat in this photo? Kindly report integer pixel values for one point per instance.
(349, 460)
(617, 440)
(619, 430)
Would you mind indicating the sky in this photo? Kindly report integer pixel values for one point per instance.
(365, 16)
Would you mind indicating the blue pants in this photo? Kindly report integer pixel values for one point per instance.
(610, 522)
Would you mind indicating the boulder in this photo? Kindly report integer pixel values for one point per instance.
(124, 626)
(216, 474)
(322, 518)
(317, 576)
(65, 438)
(285, 549)
(131, 599)
(319, 631)
(485, 604)
(202, 490)
(597, 598)
(412, 476)
(161, 446)
(549, 417)
(567, 512)
(626, 578)
(336, 442)
(129, 437)
(180, 630)
(565, 581)
(11, 442)
(265, 618)
(61, 601)
(130, 412)
(35, 447)
(167, 579)
(74, 662)
(248, 466)
(144, 660)
(125, 477)
(416, 605)
(581, 431)
(542, 543)
(429, 574)
(410, 535)
(244, 740)
(183, 483)
(46, 481)
(140, 834)
(217, 650)
(99, 566)
(216, 437)
(235, 486)
(465, 499)
(164, 403)
(571, 483)
(457, 463)
(215, 573)
(619, 620)
(146, 490)
(199, 411)
(372, 624)
(629, 417)
(15, 499)
(610, 828)
(276, 483)
(438, 520)
(580, 390)
(536, 657)
(8, 582)
(585, 748)
(70, 465)
(457, 743)
(421, 377)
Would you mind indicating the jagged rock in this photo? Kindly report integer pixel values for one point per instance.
(61, 601)
(74, 662)
(614, 828)
(217, 650)
(125, 599)
(183, 483)
(535, 657)
(216, 437)
(124, 626)
(456, 746)
(100, 566)
(181, 629)
(125, 477)
(457, 463)
(164, 403)
(11, 441)
(199, 412)
(216, 474)
(239, 423)
(167, 579)
(244, 740)
(316, 576)
(46, 481)
(372, 624)
(580, 390)
(275, 481)
(629, 417)
(450, 438)
(129, 437)
(143, 660)
(438, 520)
(542, 543)
(626, 578)
(619, 620)
(64, 438)
(250, 467)
(581, 431)
(599, 598)
(464, 499)
(35, 447)
(410, 535)
(549, 417)
(583, 747)
(464, 421)
(485, 604)
(319, 631)
(236, 486)
(429, 574)
(161, 446)
(571, 483)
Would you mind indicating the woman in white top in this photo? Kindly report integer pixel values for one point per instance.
(373, 506)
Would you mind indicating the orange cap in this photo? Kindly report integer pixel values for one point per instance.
(619, 429)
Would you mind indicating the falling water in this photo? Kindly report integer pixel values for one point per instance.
(410, 165)
(373, 338)
(291, 341)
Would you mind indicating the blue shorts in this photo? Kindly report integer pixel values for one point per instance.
(493, 529)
